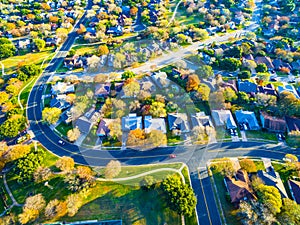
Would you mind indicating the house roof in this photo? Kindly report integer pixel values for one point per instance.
(292, 123)
(272, 178)
(247, 86)
(178, 121)
(102, 89)
(268, 89)
(266, 60)
(131, 122)
(223, 117)
(83, 124)
(272, 123)
(247, 117)
(239, 188)
(62, 87)
(154, 124)
(289, 88)
(295, 189)
(103, 129)
(200, 119)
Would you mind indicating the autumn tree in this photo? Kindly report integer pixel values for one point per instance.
(131, 88)
(73, 204)
(193, 83)
(156, 138)
(55, 209)
(84, 172)
(115, 129)
(290, 212)
(136, 137)
(103, 50)
(28, 215)
(42, 174)
(16, 152)
(216, 100)
(65, 164)
(133, 11)
(248, 165)
(51, 115)
(112, 169)
(39, 43)
(229, 95)
(270, 197)
(81, 29)
(73, 134)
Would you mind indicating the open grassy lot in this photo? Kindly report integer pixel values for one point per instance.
(129, 203)
(11, 63)
(82, 49)
(293, 141)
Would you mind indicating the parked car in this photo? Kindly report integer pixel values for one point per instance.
(172, 156)
(61, 142)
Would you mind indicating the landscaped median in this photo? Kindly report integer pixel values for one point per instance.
(73, 192)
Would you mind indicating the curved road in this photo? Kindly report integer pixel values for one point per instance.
(194, 156)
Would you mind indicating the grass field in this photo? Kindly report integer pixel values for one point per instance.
(261, 135)
(82, 49)
(11, 63)
(63, 128)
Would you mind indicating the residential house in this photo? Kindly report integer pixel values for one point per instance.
(62, 88)
(102, 89)
(223, 118)
(73, 62)
(132, 122)
(248, 118)
(23, 44)
(178, 121)
(231, 84)
(272, 124)
(103, 130)
(289, 88)
(89, 119)
(292, 124)
(160, 79)
(239, 188)
(154, 124)
(294, 186)
(200, 119)
(269, 89)
(116, 30)
(247, 86)
(60, 102)
(279, 64)
(296, 65)
(266, 60)
(67, 116)
(271, 178)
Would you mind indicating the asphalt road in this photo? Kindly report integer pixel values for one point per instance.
(194, 156)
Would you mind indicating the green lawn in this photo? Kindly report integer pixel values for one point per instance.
(129, 203)
(293, 141)
(82, 49)
(25, 93)
(11, 63)
(4, 197)
(128, 171)
(222, 133)
(259, 134)
(64, 128)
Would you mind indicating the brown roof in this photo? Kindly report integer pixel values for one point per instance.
(273, 123)
(239, 188)
(292, 123)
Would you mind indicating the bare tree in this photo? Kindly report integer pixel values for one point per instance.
(113, 168)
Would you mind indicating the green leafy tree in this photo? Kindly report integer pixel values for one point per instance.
(12, 126)
(51, 115)
(27, 165)
(235, 52)
(7, 48)
(230, 64)
(261, 68)
(39, 43)
(244, 74)
(128, 74)
(28, 71)
(229, 95)
(270, 197)
(148, 183)
(290, 212)
(204, 71)
(243, 98)
(180, 196)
